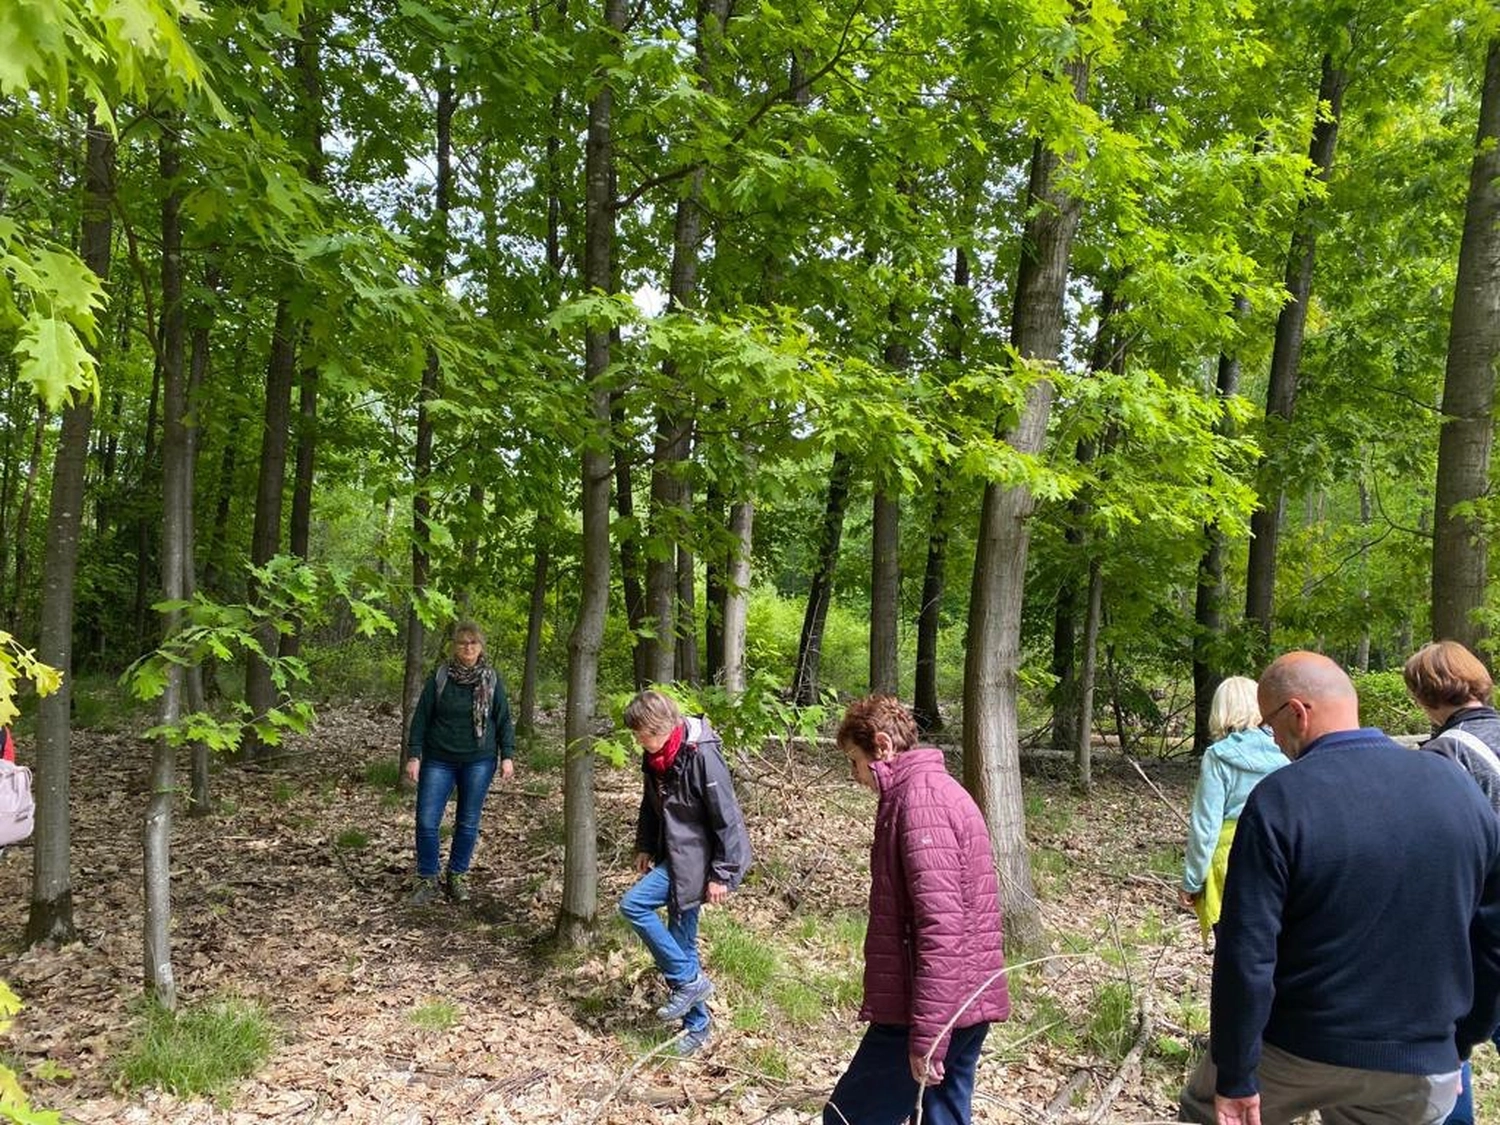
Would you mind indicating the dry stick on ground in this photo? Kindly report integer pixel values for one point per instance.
(1127, 1065)
(1064, 1096)
(1156, 789)
(626, 1077)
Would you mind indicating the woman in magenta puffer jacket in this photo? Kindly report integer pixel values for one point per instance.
(934, 968)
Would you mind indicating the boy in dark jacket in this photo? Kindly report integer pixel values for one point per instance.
(691, 847)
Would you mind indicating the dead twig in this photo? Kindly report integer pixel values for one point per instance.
(1178, 813)
(1064, 1097)
(629, 1074)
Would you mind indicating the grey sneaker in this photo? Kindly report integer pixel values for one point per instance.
(427, 891)
(458, 886)
(691, 1042)
(683, 997)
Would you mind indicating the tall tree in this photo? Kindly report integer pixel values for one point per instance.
(820, 595)
(1286, 355)
(1460, 546)
(992, 766)
(51, 915)
(580, 902)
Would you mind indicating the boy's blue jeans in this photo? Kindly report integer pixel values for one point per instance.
(674, 946)
(434, 783)
(878, 1088)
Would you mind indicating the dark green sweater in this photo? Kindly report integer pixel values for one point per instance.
(442, 728)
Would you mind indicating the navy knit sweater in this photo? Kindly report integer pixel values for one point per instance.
(1361, 922)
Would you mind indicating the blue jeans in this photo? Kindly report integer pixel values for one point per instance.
(434, 784)
(674, 946)
(878, 1088)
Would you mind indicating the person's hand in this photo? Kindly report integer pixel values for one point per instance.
(507, 769)
(1237, 1111)
(717, 892)
(1188, 899)
(413, 767)
(642, 862)
(925, 1073)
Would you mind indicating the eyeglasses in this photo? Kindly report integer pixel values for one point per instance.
(1266, 720)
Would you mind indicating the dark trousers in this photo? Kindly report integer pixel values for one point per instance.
(878, 1088)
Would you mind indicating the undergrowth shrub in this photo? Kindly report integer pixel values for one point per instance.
(197, 1050)
(1384, 702)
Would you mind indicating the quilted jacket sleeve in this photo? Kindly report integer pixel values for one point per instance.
(933, 857)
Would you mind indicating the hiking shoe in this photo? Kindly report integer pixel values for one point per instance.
(427, 891)
(691, 1042)
(684, 997)
(458, 886)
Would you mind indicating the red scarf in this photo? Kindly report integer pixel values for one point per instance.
(661, 761)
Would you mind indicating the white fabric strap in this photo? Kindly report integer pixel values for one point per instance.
(1476, 744)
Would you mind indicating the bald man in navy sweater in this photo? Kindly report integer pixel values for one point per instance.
(1358, 954)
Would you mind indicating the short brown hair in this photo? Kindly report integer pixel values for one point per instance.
(652, 712)
(873, 714)
(1445, 672)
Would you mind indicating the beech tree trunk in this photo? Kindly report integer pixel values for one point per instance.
(536, 614)
(23, 519)
(737, 595)
(579, 911)
(51, 914)
(1460, 546)
(885, 593)
(992, 764)
(1286, 357)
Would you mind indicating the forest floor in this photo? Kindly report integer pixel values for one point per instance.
(292, 895)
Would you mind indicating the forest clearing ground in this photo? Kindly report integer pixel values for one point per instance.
(292, 894)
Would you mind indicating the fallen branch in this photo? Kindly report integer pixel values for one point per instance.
(1064, 1096)
(1131, 1060)
(629, 1074)
(1178, 813)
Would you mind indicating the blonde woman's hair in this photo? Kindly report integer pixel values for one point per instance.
(652, 712)
(1234, 707)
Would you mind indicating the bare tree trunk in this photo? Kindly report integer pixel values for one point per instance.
(1083, 756)
(579, 911)
(737, 595)
(992, 766)
(716, 563)
(421, 503)
(1208, 604)
(265, 538)
(1460, 545)
(23, 518)
(810, 646)
(642, 651)
(51, 914)
(1286, 356)
(689, 671)
(526, 718)
(199, 803)
(885, 593)
(176, 551)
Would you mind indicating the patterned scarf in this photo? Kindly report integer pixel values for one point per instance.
(661, 761)
(484, 693)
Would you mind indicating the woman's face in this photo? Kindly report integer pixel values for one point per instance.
(467, 649)
(651, 741)
(859, 766)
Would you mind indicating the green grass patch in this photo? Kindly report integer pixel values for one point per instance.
(743, 957)
(383, 774)
(1166, 862)
(750, 1015)
(771, 1062)
(540, 755)
(435, 1015)
(197, 1050)
(1111, 1027)
(800, 1002)
(352, 839)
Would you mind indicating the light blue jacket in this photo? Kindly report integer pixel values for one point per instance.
(1230, 769)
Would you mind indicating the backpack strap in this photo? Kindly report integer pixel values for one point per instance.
(441, 679)
(1479, 746)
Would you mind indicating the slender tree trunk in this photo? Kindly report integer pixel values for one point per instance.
(23, 518)
(1208, 604)
(421, 503)
(542, 558)
(810, 645)
(992, 766)
(1460, 544)
(160, 981)
(885, 593)
(715, 590)
(1083, 751)
(737, 595)
(199, 803)
(667, 528)
(642, 651)
(1286, 357)
(51, 914)
(689, 669)
(580, 902)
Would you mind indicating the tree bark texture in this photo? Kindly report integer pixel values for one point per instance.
(737, 595)
(535, 616)
(810, 645)
(579, 911)
(1459, 571)
(992, 766)
(885, 593)
(51, 914)
(1286, 355)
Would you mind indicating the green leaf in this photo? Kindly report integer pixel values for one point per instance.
(55, 361)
